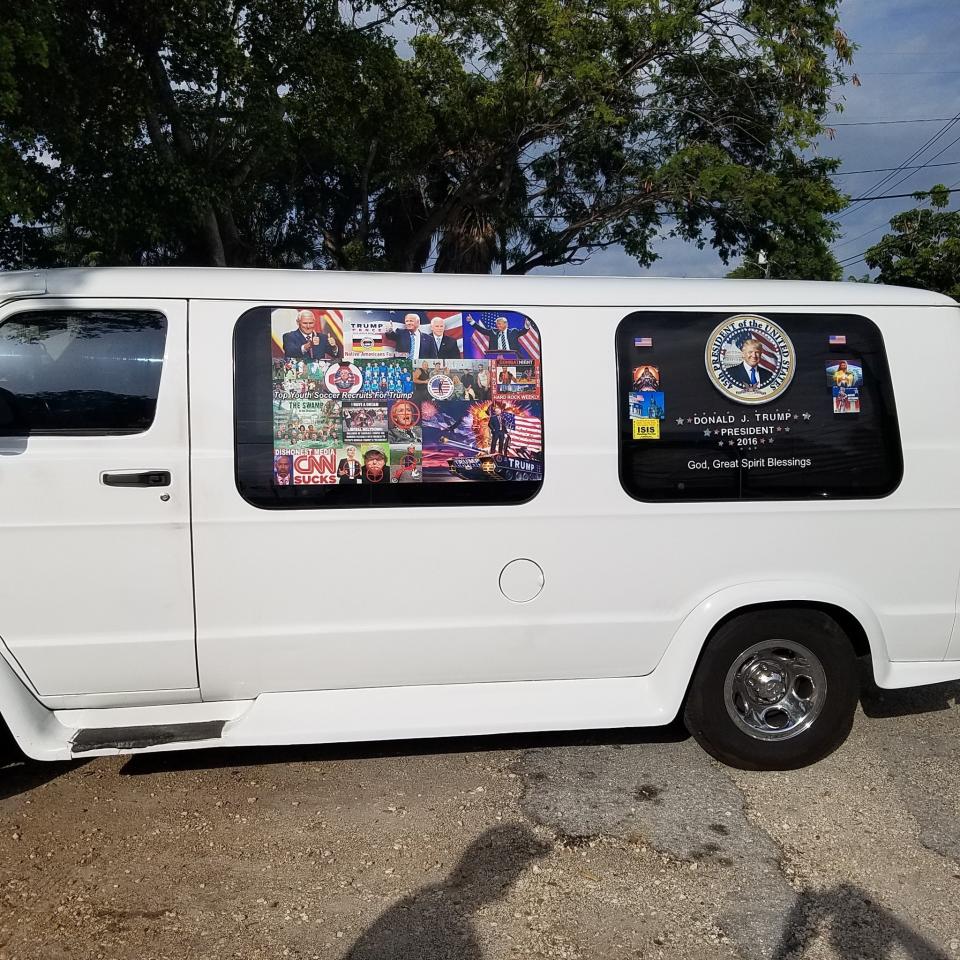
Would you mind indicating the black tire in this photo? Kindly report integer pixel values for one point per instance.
(714, 695)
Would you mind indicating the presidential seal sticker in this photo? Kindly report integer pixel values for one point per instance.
(750, 359)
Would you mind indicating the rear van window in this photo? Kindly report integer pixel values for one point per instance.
(404, 406)
(91, 372)
(743, 406)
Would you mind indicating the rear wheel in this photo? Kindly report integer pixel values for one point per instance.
(774, 690)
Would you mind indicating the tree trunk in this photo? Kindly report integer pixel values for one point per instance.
(212, 240)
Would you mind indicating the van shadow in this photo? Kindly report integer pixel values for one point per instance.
(217, 758)
(856, 927)
(22, 775)
(435, 922)
(909, 701)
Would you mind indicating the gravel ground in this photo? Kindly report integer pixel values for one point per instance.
(605, 845)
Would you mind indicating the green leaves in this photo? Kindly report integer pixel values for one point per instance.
(923, 249)
(500, 135)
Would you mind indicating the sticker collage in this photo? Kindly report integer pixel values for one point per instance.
(405, 396)
(646, 397)
(845, 378)
(749, 359)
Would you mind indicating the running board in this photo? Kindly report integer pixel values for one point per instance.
(372, 713)
(140, 738)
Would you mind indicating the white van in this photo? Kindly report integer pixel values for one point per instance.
(271, 507)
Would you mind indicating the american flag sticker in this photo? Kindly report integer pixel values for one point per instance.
(837, 340)
(643, 341)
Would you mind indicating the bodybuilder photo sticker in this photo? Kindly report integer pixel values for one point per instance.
(750, 359)
(846, 399)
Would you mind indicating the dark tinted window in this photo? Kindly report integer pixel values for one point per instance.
(81, 371)
(720, 406)
(405, 406)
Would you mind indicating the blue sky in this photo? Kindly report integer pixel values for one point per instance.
(909, 68)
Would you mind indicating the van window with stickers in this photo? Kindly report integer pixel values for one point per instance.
(744, 406)
(387, 407)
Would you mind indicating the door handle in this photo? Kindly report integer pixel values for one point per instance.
(136, 478)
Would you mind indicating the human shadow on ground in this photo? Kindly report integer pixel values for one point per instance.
(218, 758)
(435, 923)
(909, 701)
(856, 927)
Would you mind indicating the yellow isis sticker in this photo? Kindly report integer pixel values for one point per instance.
(646, 429)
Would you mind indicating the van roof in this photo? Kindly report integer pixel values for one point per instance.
(453, 290)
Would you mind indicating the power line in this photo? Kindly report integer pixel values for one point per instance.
(865, 233)
(916, 156)
(919, 166)
(906, 53)
(905, 73)
(909, 160)
(939, 153)
(894, 196)
(851, 260)
(876, 123)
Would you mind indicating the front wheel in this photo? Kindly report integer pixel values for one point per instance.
(774, 690)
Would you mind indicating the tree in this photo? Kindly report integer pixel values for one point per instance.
(789, 260)
(924, 248)
(513, 135)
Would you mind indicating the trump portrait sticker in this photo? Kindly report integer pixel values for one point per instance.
(750, 359)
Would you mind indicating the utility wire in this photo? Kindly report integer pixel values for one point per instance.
(909, 160)
(851, 260)
(866, 233)
(878, 123)
(913, 156)
(918, 166)
(939, 153)
(905, 73)
(894, 196)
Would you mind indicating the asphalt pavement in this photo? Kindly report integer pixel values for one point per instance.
(610, 844)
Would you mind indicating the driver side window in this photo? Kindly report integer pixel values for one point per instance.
(82, 371)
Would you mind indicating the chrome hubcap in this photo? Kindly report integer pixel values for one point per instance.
(775, 690)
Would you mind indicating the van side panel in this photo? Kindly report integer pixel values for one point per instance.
(325, 598)
(336, 598)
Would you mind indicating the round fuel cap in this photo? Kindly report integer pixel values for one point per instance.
(521, 581)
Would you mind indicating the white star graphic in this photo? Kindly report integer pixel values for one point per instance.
(786, 429)
(806, 416)
(679, 421)
(706, 433)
